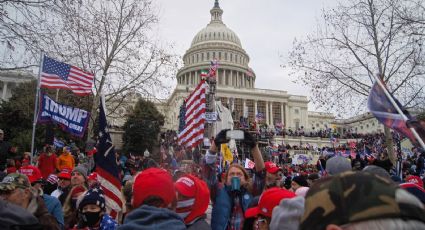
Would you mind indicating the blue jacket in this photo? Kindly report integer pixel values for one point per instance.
(54, 207)
(152, 218)
(223, 205)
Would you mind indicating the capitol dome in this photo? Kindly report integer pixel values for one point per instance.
(216, 31)
(217, 42)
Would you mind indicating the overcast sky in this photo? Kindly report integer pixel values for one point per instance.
(266, 29)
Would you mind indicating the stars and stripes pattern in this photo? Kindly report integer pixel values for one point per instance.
(385, 112)
(213, 68)
(59, 75)
(106, 166)
(193, 132)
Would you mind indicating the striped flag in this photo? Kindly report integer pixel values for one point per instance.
(106, 166)
(193, 132)
(59, 75)
(213, 68)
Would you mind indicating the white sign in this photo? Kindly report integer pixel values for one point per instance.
(211, 116)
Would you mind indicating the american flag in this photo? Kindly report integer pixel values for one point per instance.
(193, 132)
(107, 167)
(213, 68)
(59, 75)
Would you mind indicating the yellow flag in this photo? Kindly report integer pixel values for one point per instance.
(227, 154)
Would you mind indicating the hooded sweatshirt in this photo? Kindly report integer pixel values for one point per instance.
(65, 160)
(152, 218)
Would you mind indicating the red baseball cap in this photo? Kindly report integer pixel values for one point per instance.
(193, 187)
(153, 182)
(186, 186)
(268, 200)
(65, 174)
(32, 172)
(415, 180)
(92, 176)
(271, 167)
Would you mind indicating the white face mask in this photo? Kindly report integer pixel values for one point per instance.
(184, 207)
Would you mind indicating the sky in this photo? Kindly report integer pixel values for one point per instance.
(266, 29)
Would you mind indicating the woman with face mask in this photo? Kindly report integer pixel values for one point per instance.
(91, 212)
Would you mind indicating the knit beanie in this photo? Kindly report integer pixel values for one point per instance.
(93, 196)
(198, 196)
(337, 164)
(287, 215)
(82, 170)
(53, 179)
(153, 182)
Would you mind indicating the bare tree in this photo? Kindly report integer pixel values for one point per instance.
(353, 42)
(113, 39)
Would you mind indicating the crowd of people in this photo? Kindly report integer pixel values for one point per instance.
(194, 189)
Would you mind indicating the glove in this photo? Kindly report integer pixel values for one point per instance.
(221, 138)
(249, 140)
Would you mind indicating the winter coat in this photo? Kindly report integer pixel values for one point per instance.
(15, 217)
(37, 207)
(65, 161)
(152, 218)
(199, 224)
(222, 208)
(54, 207)
(47, 164)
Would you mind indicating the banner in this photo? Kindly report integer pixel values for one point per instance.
(70, 119)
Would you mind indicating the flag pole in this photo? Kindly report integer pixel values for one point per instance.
(37, 99)
(378, 80)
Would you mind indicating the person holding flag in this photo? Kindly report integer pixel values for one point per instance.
(232, 197)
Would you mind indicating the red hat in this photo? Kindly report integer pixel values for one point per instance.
(32, 172)
(153, 182)
(192, 187)
(268, 200)
(65, 174)
(92, 176)
(271, 167)
(415, 180)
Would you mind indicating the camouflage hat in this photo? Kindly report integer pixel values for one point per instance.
(13, 181)
(354, 197)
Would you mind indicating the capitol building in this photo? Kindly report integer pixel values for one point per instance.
(235, 80)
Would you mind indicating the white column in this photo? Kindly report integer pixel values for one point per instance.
(225, 77)
(287, 116)
(231, 78)
(267, 113)
(243, 108)
(4, 91)
(255, 108)
(271, 113)
(281, 113)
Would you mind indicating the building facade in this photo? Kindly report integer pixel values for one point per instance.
(10, 79)
(235, 80)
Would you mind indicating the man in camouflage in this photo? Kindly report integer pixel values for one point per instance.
(16, 189)
(358, 200)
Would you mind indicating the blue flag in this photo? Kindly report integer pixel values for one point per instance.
(385, 112)
(106, 165)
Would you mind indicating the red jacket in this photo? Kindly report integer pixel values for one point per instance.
(47, 164)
